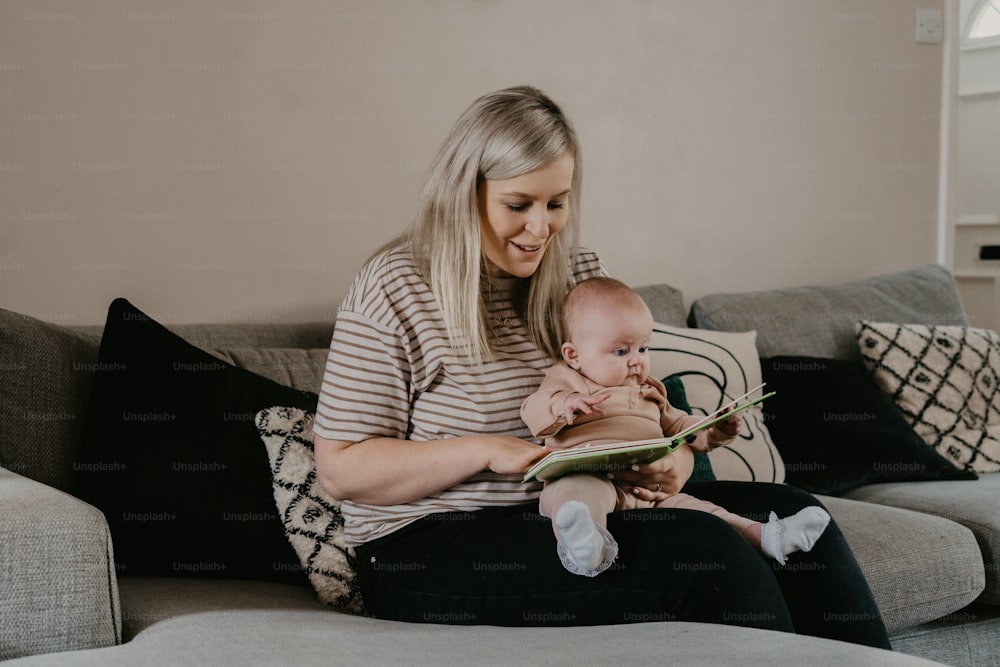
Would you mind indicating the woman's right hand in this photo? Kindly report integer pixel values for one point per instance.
(388, 471)
(508, 455)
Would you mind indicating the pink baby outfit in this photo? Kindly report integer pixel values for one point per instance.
(630, 413)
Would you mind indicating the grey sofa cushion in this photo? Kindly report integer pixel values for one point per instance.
(909, 589)
(819, 321)
(46, 372)
(967, 638)
(248, 333)
(293, 367)
(666, 303)
(974, 504)
(300, 637)
(146, 601)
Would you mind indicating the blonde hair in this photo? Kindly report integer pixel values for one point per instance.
(502, 135)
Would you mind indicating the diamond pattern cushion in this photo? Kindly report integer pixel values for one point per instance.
(312, 519)
(946, 381)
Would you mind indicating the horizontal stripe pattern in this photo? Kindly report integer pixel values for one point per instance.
(391, 372)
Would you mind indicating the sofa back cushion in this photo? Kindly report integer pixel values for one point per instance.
(240, 334)
(819, 321)
(46, 372)
(292, 367)
(666, 303)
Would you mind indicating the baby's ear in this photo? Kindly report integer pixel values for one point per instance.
(570, 356)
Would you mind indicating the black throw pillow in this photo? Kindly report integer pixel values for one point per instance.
(836, 430)
(172, 457)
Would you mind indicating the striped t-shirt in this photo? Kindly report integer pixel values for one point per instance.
(392, 373)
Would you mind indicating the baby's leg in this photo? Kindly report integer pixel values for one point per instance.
(686, 502)
(777, 538)
(579, 506)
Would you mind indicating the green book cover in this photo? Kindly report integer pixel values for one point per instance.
(623, 455)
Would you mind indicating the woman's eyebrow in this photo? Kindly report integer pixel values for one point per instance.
(528, 196)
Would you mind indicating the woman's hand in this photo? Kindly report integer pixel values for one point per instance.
(660, 479)
(389, 471)
(506, 454)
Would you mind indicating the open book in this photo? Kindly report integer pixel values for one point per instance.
(623, 455)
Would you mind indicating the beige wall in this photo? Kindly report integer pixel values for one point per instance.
(238, 160)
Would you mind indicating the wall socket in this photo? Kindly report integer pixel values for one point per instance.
(929, 26)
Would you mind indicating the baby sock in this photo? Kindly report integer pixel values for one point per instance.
(799, 532)
(584, 547)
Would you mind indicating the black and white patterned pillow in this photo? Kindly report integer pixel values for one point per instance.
(946, 381)
(313, 523)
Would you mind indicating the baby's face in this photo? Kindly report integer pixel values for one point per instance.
(611, 346)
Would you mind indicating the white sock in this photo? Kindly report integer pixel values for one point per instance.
(799, 532)
(584, 547)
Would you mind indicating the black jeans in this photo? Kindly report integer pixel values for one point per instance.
(499, 567)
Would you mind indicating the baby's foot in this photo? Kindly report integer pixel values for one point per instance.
(584, 548)
(799, 532)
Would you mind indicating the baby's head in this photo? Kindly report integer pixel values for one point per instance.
(607, 328)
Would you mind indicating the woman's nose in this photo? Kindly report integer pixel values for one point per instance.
(538, 223)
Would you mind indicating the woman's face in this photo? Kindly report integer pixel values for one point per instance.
(519, 216)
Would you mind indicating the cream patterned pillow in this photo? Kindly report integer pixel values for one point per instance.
(946, 382)
(716, 366)
(312, 519)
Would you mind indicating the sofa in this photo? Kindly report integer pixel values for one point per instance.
(140, 586)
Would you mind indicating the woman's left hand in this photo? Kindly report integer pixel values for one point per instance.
(660, 479)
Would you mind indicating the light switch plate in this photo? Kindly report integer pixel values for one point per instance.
(929, 26)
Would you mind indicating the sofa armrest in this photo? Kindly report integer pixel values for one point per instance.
(58, 590)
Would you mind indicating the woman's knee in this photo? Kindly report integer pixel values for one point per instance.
(701, 567)
(686, 541)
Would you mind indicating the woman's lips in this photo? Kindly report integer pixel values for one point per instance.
(526, 248)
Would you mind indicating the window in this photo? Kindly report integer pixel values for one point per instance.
(984, 24)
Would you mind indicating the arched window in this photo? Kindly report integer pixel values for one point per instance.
(983, 28)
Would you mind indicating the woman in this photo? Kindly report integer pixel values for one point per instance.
(443, 334)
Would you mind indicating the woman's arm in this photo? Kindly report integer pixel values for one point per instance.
(389, 471)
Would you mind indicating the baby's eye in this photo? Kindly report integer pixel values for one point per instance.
(643, 350)
(621, 352)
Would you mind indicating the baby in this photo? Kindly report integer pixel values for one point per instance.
(601, 392)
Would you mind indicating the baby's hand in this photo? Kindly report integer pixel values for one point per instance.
(577, 403)
(727, 429)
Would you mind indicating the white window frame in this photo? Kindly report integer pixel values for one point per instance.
(968, 42)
